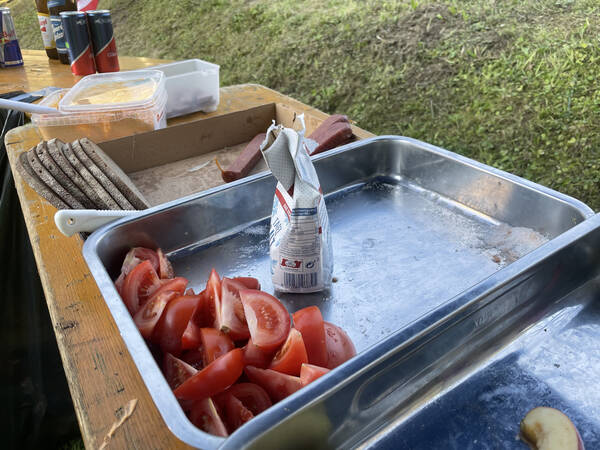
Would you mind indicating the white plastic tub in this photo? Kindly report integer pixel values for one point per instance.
(106, 106)
(192, 85)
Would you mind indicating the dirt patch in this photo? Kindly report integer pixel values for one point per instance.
(425, 27)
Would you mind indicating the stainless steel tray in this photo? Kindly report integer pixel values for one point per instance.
(413, 226)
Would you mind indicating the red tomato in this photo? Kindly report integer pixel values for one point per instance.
(291, 356)
(257, 357)
(237, 414)
(309, 373)
(278, 385)
(214, 378)
(176, 371)
(252, 396)
(231, 318)
(215, 344)
(194, 358)
(135, 256)
(204, 415)
(339, 346)
(148, 315)
(248, 282)
(309, 322)
(267, 318)
(173, 322)
(202, 317)
(139, 285)
(177, 284)
(213, 291)
(165, 269)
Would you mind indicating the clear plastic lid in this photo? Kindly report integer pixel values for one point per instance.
(115, 91)
(54, 98)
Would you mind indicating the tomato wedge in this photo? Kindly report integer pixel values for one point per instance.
(194, 358)
(204, 415)
(339, 346)
(139, 285)
(278, 385)
(215, 344)
(248, 282)
(257, 357)
(148, 315)
(237, 414)
(267, 318)
(214, 378)
(309, 373)
(252, 396)
(176, 371)
(291, 356)
(177, 284)
(173, 322)
(203, 316)
(165, 269)
(309, 322)
(213, 291)
(232, 319)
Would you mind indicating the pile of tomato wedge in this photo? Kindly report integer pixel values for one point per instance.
(230, 351)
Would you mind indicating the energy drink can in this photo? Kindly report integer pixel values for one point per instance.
(10, 52)
(78, 42)
(103, 40)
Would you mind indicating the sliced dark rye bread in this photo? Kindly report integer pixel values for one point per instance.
(54, 149)
(50, 181)
(88, 177)
(37, 184)
(55, 170)
(114, 173)
(99, 175)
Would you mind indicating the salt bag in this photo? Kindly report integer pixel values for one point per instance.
(299, 238)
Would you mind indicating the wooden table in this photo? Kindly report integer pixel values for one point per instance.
(103, 380)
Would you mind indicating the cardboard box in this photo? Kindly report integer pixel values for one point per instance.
(180, 160)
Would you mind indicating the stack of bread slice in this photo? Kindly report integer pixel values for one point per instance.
(78, 175)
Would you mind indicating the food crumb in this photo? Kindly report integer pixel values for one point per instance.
(496, 259)
(334, 280)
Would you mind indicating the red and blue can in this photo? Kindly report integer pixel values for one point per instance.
(78, 42)
(10, 52)
(103, 40)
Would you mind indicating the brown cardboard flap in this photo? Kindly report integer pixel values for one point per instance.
(145, 150)
(180, 160)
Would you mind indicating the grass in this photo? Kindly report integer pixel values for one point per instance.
(509, 83)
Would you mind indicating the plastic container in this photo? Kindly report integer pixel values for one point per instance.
(106, 106)
(192, 85)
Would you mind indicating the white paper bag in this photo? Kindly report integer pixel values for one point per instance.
(299, 239)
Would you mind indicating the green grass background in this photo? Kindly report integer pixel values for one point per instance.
(512, 84)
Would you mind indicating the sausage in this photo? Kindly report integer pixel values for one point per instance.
(245, 160)
(337, 134)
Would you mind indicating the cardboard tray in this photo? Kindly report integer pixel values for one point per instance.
(178, 161)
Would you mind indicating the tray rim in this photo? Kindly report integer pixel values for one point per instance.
(167, 406)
